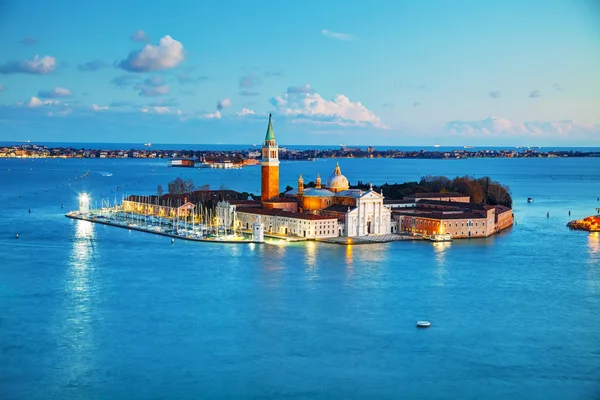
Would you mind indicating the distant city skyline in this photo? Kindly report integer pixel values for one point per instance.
(392, 73)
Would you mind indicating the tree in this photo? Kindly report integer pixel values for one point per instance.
(288, 188)
(206, 186)
(179, 186)
(223, 187)
(159, 190)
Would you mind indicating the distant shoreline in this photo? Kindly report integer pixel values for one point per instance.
(30, 150)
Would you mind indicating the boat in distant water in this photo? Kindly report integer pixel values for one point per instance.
(530, 199)
(147, 144)
(468, 147)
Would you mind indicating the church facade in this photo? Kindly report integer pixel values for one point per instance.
(326, 210)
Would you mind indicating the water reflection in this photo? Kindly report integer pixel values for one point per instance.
(440, 249)
(77, 314)
(349, 261)
(594, 246)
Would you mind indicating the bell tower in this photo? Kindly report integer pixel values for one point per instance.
(270, 165)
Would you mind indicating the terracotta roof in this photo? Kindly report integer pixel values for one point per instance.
(440, 215)
(400, 201)
(275, 212)
(502, 209)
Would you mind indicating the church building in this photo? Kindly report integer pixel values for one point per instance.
(328, 210)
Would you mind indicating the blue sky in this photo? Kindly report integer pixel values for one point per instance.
(382, 72)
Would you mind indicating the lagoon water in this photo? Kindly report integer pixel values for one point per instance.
(96, 312)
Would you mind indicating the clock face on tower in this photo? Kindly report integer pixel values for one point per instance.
(270, 165)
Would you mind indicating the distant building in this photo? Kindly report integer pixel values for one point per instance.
(459, 219)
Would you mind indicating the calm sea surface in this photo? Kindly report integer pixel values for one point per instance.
(96, 312)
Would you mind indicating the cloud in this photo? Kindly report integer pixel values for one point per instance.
(336, 35)
(495, 126)
(95, 107)
(300, 89)
(91, 66)
(2, 88)
(223, 104)
(35, 102)
(494, 95)
(558, 87)
(124, 80)
(387, 105)
(153, 86)
(245, 112)
(534, 94)
(248, 83)
(54, 93)
(312, 107)
(185, 79)
(168, 54)
(28, 41)
(37, 65)
(274, 74)
(157, 110)
(139, 36)
(415, 104)
(215, 115)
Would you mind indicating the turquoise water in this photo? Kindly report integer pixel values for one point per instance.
(95, 312)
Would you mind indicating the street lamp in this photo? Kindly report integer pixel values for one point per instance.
(84, 203)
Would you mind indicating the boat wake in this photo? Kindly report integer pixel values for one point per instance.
(104, 173)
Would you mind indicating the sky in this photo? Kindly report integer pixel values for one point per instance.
(366, 73)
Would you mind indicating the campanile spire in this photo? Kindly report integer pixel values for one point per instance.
(270, 165)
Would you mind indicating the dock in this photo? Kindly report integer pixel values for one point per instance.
(159, 232)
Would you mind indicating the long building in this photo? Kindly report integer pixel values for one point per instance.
(459, 219)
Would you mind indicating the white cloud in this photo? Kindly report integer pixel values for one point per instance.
(96, 107)
(339, 111)
(54, 93)
(494, 127)
(246, 111)
(534, 94)
(168, 54)
(337, 35)
(215, 115)
(223, 104)
(37, 65)
(35, 102)
(139, 36)
(159, 110)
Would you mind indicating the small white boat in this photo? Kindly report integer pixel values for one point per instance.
(441, 237)
(530, 200)
(423, 324)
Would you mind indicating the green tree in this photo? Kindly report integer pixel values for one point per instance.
(179, 186)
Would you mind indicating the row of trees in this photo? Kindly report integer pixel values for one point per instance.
(481, 190)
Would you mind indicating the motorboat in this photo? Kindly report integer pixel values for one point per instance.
(530, 200)
(441, 237)
(423, 324)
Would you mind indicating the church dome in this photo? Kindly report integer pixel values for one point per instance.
(337, 182)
